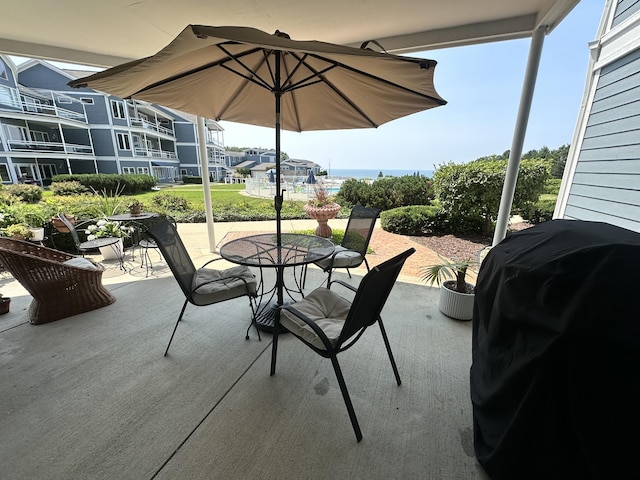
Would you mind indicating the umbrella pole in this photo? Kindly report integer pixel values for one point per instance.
(278, 199)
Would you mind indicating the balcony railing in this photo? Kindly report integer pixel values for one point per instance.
(149, 152)
(142, 123)
(44, 109)
(49, 147)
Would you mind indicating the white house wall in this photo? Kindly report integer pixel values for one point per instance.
(602, 177)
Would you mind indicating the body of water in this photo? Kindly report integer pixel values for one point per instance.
(373, 173)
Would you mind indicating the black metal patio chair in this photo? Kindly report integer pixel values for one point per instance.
(203, 286)
(329, 324)
(352, 251)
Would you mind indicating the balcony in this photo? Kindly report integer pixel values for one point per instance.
(150, 152)
(49, 147)
(39, 108)
(147, 125)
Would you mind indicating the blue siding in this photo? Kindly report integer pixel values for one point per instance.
(606, 184)
(624, 10)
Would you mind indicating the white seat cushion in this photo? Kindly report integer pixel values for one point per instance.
(326, 308)
(342, 258)
(221, 290)
(80, 262)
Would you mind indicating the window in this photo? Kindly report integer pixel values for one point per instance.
(65, 100)
(142, 170)
(88, 101)
(3, 71)
(117, 109)
(16, 133)
(123, 141)
(4, 173)
(129, 170)
(47, 171)
(39, 136)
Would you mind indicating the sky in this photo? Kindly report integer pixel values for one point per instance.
(482, 84)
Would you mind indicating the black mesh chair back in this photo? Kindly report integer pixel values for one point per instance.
(72, 229)
(165, 234)
(372, 294)
(352, 251)
(359, 229)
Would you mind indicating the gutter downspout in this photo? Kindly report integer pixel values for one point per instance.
(204, 168)
(526, 97)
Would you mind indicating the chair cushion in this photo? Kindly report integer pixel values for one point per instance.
(343, 259)
(81, 263)
(220, 290)
(326, 308)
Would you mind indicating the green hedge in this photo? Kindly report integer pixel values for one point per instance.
(125, 184)
(423, 219)
(386, 193)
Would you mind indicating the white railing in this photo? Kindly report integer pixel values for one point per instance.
(50, 110)
(150, 152)
(48, 147)
(142, 123)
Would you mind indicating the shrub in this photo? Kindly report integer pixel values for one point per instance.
(387, 193)
(192, 179)
(126, 184)
(171, 203)
(26, 193)
(473, 190)
(68, 188)
(411, 220)
(541, 211)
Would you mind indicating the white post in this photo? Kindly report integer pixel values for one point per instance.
(509, 188)
(204, 168)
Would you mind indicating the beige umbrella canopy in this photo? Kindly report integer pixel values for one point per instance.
(244, 75)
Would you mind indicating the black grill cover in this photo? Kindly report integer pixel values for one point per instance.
(555, 380)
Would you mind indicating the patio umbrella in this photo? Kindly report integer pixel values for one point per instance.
(311, 179)
(245, 75)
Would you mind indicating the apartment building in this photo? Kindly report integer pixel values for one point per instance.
(48, 128)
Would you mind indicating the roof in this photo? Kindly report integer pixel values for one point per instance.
(131, 30)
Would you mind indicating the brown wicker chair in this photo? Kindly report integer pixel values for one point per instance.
(59, 290)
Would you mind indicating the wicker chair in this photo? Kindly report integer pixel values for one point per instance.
(61, 284)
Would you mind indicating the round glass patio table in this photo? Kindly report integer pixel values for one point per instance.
(262, 251)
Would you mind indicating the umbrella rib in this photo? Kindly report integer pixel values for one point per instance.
(334, 88)
(426, 64)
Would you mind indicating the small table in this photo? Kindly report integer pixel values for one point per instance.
(128, 218)
(262, 251)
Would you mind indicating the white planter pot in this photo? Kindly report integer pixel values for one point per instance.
(454, 304)
(38, 234)
(113, 252)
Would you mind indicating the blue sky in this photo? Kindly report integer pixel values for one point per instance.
(482, 84)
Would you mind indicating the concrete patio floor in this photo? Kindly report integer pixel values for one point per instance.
(92, 397)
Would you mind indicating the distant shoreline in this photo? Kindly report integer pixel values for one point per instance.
(373, 173)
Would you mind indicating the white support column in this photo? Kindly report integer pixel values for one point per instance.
(204, 167)
(508, 190)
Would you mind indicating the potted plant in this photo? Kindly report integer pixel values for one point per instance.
(135, 207)
(19, 231)
(456, 294)
(322, 208)
(5, 302)
(61, 227)
(108, 228)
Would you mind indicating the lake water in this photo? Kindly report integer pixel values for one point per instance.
(373, 173)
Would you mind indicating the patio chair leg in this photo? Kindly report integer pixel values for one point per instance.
(176, 327)
(346, 397)
(388, 346)
(274, 343)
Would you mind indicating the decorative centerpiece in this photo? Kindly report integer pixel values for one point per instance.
(322, 208)
(108, 228)
(135, 208)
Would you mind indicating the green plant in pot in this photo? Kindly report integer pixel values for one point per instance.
(456, 294)
(19, 231)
